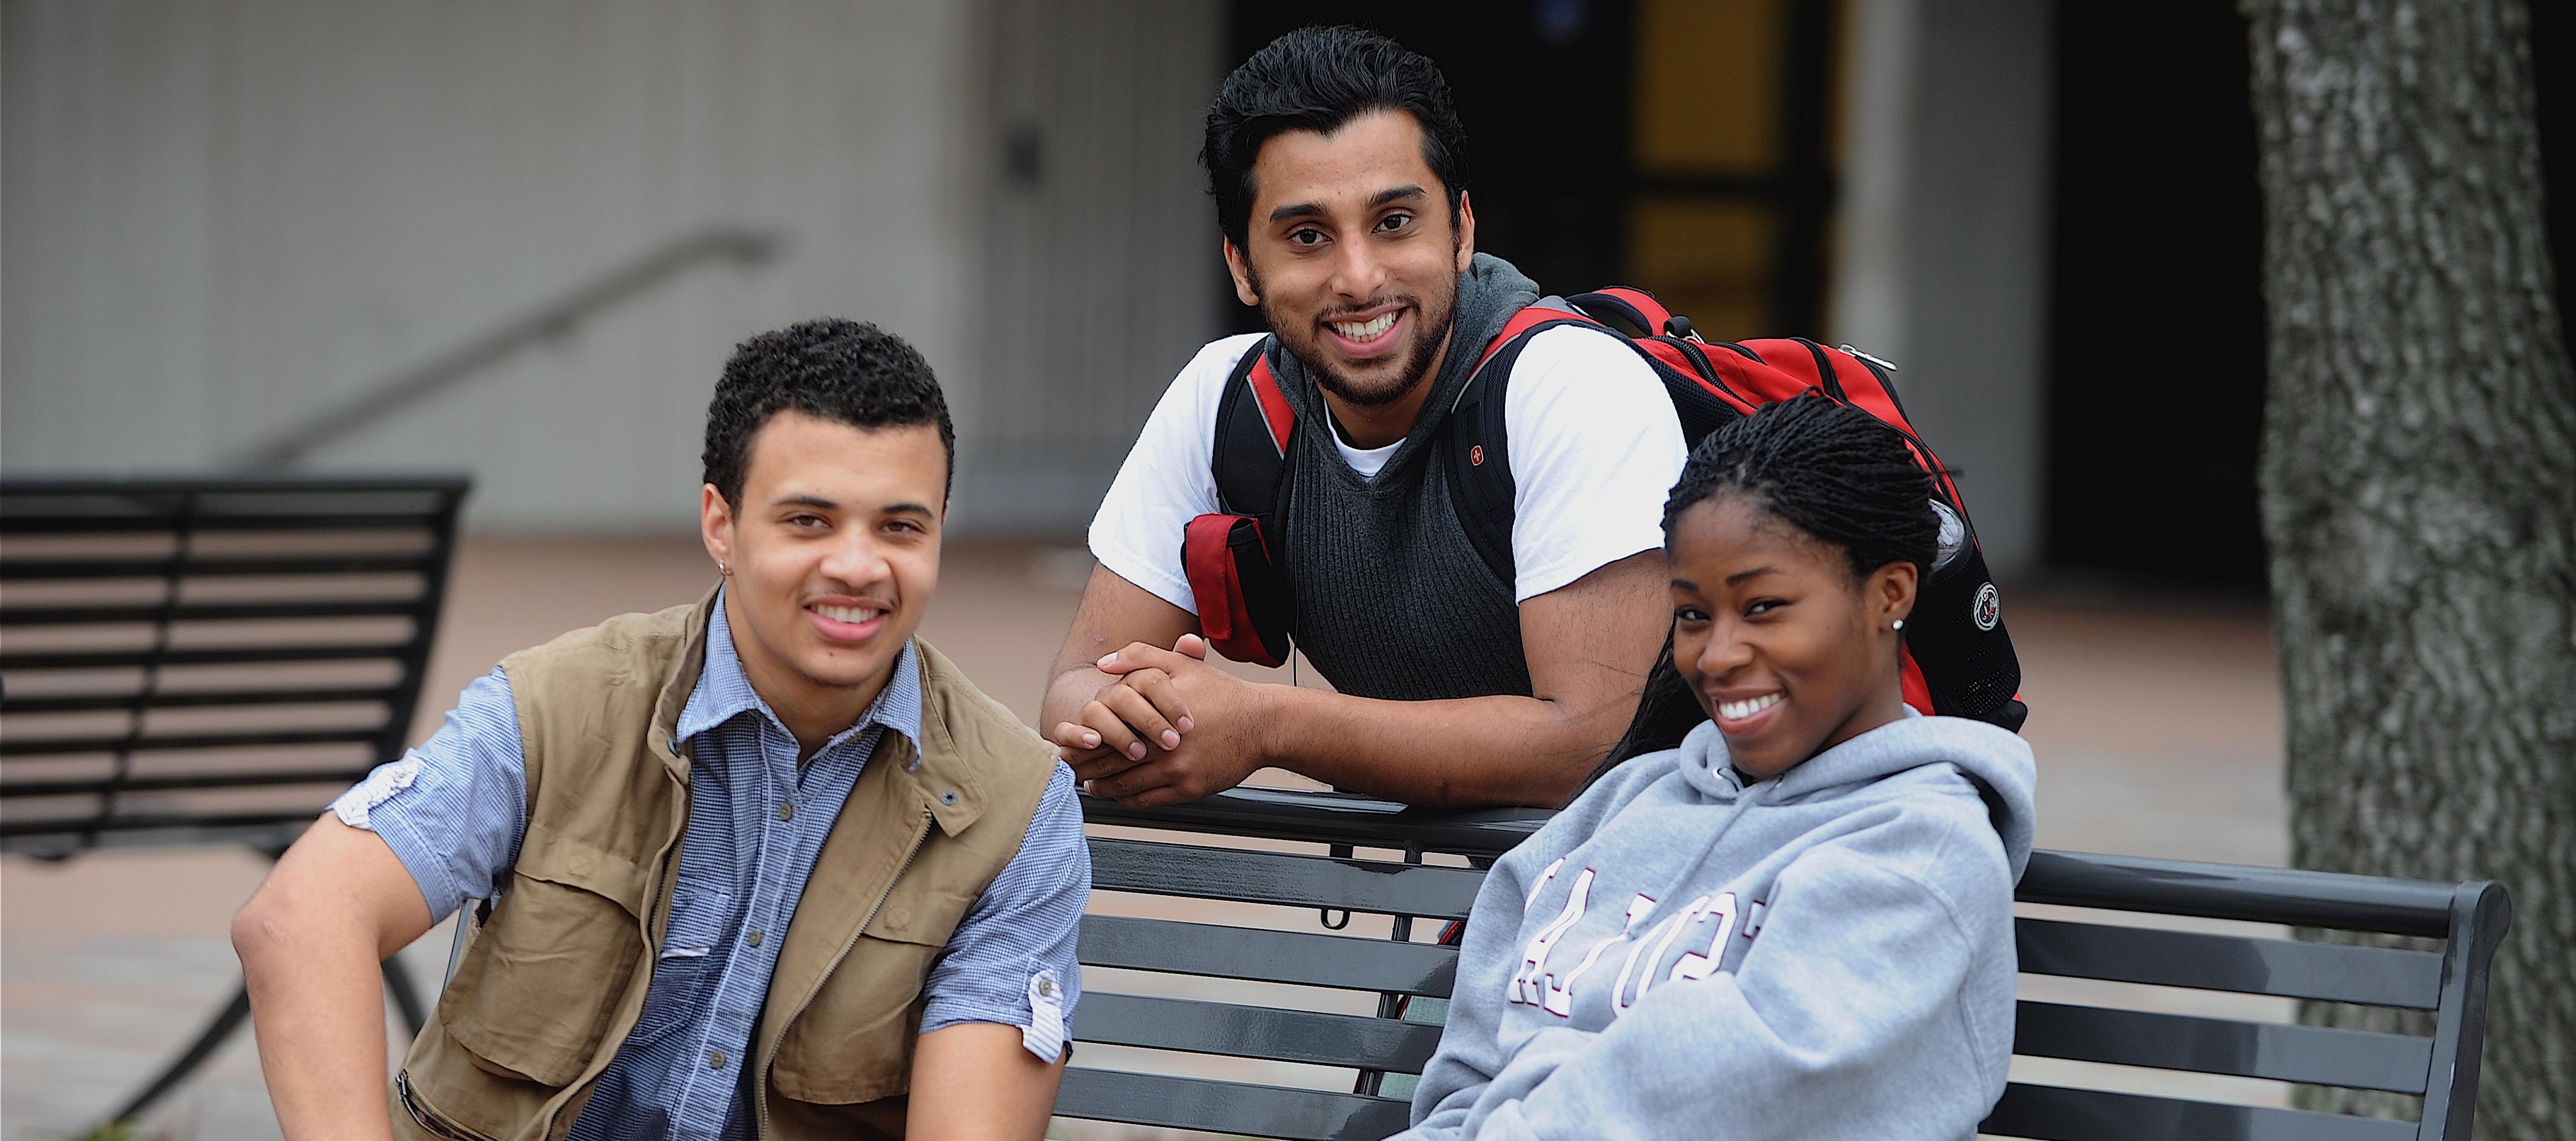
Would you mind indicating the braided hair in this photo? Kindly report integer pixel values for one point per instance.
(1837, 474)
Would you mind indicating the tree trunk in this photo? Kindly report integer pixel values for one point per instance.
(2419, 494)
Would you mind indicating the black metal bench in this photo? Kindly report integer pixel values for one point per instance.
(194, 661)
(2467, 921)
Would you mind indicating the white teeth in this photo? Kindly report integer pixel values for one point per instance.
(1368, 330)
(1739, 710)
(851, 614)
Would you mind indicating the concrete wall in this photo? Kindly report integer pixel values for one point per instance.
(1944, 264)
(223, 216)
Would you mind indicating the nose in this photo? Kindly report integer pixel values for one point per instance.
(855, 559)
(1358, 272)
(1724, 652)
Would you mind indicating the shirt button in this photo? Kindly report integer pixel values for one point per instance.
(786, 811)
(754, 937)
(715, 1060)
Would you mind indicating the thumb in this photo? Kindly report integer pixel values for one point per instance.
(1192, 645)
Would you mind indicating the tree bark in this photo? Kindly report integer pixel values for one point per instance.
(2419, 494)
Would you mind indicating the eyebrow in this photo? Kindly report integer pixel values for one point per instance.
(1756, 572)
(907, 507)
(1314, 210)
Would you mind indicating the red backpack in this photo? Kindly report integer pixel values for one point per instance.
(1958, 659)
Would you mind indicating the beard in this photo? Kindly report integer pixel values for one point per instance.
(1304, 341)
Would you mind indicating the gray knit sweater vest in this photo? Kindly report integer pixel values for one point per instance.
(1392, 601)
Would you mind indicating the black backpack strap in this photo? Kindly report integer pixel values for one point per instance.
(1233, 557)
(1249, 455)
(1476, 454)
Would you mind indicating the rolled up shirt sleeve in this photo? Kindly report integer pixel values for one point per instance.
(453, 809)
(1011, 959)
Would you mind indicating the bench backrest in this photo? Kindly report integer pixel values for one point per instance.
(2104, 942)
(193, 660)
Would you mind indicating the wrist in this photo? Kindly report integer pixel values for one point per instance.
(1276, 710)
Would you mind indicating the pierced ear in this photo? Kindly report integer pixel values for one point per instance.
(1240, 269)
(1892, 590)
(715, 524)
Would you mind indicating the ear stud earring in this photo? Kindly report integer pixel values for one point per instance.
(1898, 625)
(727, 571)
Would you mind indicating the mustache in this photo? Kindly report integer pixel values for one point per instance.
(1346, 312)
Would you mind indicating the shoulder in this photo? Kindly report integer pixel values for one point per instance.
(1594, 807)
(984, 733)
(1203, 379)
(612, 648)
(1576, 379)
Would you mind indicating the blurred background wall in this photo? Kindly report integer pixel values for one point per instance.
(520, 238)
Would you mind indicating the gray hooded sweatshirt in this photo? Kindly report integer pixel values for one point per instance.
(1825, 954)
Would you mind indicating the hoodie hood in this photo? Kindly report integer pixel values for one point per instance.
(1999, 762)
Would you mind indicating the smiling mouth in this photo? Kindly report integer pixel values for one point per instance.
(853, 615)
(1363, 332)
(1740, 710)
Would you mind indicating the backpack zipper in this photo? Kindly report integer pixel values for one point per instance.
(1825, 370)
(1699, 357)
(760, 1091)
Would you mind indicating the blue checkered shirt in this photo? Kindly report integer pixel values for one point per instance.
(452, 811)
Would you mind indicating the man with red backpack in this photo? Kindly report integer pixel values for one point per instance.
(1442, 488)
(1337, 163)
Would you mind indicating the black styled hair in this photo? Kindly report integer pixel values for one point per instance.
(848, 372)
(1317, 79)
(1837, 474)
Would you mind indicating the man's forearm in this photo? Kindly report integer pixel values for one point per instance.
(318, 1010)
(1463, 752)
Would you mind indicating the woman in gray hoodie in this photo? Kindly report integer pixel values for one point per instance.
(1799, 923)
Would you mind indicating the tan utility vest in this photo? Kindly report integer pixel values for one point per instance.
(555, 978)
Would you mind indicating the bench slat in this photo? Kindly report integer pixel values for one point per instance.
(1352, 1040)
(62, 746)
(203, 656)
(2397, 1063)
(189, 699)
(165, 566)
(2058, 1113)
(208, 612)
(1380, 886)
(2371, 976)
(178, 782)
(1268, 956)
(1227, 1107)
(18, 521)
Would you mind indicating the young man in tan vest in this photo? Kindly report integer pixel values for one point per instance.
(760, 867)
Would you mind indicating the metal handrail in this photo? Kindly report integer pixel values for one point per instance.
(550, 321)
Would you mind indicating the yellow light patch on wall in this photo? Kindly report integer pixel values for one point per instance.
(1708, 83)
(1707, 260)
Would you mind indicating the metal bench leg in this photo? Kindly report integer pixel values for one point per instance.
(216, 1034)
(398, 984)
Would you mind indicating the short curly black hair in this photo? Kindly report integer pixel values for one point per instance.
(849, 372)
(1316, 79)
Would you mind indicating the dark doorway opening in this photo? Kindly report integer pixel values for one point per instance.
(2156, 396)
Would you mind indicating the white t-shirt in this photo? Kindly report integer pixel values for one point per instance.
(1595, 448)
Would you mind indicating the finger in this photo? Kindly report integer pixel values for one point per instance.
(1151, 774)
(1071, 738)
(1099, 764)
(1152, 705)
(1140, 655)
(1192, 645)
(1115, 734)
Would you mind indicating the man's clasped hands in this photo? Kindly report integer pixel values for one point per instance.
(1167, 727)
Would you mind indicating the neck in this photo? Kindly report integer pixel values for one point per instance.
(1885, 707)
(812, 712)
(1377, 425)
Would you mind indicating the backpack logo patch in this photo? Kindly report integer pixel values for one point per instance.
(1476, 456)
(1988, 609)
